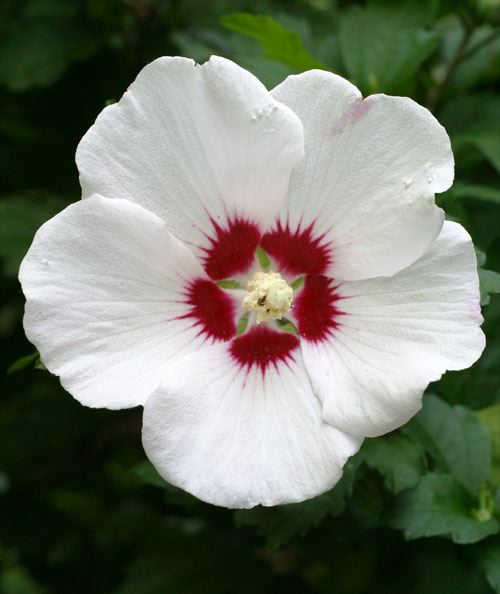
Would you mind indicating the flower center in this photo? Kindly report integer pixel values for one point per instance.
(269, 296)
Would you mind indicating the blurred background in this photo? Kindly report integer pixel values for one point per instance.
(81, 510)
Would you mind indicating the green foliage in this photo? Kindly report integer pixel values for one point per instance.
(455, 439)
(440, 506)
(280, 524)
(42, 43)
(489, 280)
(490, 418)
(278, 42)
(4, 483)
(488, 557)
(23, 362)
(454, 500)
(147, 474)
(144, 473)
(474, 123)
(15, 579)
(475, 192)
(383, 44)
(487, 142)
(489, 283)
(398, 458)
(480, 63)
(20, 217)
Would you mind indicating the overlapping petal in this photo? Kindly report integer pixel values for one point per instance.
(396, 335)
(200, 146)
(366, 186)
(106, 306)
(239, 437)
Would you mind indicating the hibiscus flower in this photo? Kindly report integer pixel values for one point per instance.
(267, 273)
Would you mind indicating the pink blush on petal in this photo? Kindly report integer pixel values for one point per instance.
(353, 114)
(475, 308)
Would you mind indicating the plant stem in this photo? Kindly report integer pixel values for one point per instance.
(481, 44)
(436, 93)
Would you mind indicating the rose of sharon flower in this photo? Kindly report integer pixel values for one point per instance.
(217, 218)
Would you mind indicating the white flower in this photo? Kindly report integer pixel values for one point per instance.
(182, 180)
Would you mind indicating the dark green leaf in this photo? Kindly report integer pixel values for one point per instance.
(40, 366)
(474, 121)
(475, 192)
(369, 499)
(194, 45)
(489, 283)
(456, 440)
(148, 475)
(383, 45)
(490, 418)
(17, 580)
(245, 51)
(471, 113)
(36, 52)
(488, 558)
(479, 64)
(280, 524)
(398, 458)
(481, 256)
(488, 143)
(440, 506)
(22, 363)
(278, 42)
(484, 63)
(145, 473)
(4, 483)
(20, 217)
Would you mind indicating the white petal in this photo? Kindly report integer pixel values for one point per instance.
(368, 180)
(238, 436)
(196, 145)
(396, 335)
(105, 284)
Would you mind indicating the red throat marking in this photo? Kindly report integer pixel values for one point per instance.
(263, 347)
(316, 309)
(297, 252)
(212, 309)
(232, 249)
